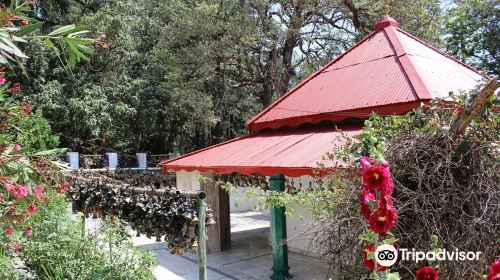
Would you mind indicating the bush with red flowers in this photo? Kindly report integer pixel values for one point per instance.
(427, 273)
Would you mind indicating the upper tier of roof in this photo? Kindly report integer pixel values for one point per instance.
(388, 72)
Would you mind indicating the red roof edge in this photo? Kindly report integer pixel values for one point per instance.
(358, 113)
(272, 105)
(248, 170)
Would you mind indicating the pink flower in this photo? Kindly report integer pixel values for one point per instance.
(11, 188)
(38, 191)
(382, 220)
(15, 88)
(2, 80)
(28, 231)
(427, 273)
(9, 231)
(21, 192)
(32, 209)
(16, 147)
(378, 179)
(376, 175)
(365, 198)
(494, 271)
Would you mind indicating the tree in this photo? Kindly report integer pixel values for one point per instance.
(472, 29)
(180, 75)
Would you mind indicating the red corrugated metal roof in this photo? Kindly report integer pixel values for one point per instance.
(388, 67)
(388, 72)
(293, 153)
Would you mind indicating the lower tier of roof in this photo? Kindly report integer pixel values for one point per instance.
(293, 153)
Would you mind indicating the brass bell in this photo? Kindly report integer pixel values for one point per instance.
(264, 186)
(194, 245)
(210, 219)
(195, 220)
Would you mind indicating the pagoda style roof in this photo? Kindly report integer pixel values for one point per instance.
(388, 72)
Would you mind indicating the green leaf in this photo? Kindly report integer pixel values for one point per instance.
(11, 48)
(85, 49)
(48, 43)
(30, 29)
(369, 237)
(20, 151)
(51, 152)
(62, 29)
(391, 240)
(76, 52)
(73, 34)
(82, 41)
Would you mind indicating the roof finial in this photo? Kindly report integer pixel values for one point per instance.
(387, 7)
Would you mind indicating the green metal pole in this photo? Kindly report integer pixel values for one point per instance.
(202, 239)
(278, 233)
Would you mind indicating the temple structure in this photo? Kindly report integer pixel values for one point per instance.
(390, 72)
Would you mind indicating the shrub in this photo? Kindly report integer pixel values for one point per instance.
(59, 250)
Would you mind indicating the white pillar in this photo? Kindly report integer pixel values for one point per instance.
(73, 159)
(112, 160)
(142, 160)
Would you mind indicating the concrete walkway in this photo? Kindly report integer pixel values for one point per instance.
(248, 259)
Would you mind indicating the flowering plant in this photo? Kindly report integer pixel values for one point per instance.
(26, 175)
(376, 205)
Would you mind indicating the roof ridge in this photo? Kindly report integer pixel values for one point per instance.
(419, 87)
(310, 77)
(441, 52)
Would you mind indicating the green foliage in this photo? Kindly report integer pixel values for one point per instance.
(471, 33)
(6, 269)
(35, 132)
(180, 75)
(58, 250)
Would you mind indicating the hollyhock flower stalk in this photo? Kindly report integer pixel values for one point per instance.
(376, 205)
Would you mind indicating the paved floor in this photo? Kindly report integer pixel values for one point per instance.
(248, 259)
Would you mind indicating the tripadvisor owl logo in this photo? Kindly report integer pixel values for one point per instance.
(386, 255)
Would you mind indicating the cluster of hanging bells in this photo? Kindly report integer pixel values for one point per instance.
(170, 216)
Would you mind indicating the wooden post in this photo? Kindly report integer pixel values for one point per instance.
(219, 235)
(480, 100)
(278, 233)
(202, 239)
